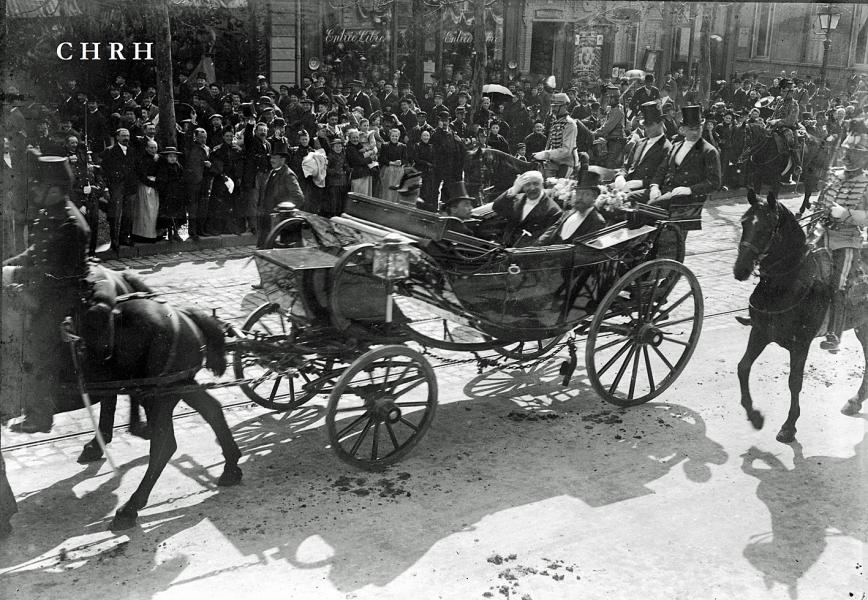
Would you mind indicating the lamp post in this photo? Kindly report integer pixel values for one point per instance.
(827, 20)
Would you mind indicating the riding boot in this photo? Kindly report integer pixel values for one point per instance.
(832, 343)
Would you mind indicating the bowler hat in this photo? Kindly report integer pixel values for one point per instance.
(411, 181)
(691, 116)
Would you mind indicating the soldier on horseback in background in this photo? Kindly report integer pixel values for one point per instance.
(51, 272)
(784, 120)
(846, 201)
(560, 155)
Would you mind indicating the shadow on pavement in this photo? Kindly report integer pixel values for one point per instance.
(478, 459)
(820, 497)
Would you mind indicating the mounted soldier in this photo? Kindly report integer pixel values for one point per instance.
(560, 155)
(846, 202)
(784, 121)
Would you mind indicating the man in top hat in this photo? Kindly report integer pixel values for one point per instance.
(527, 209)
(846, 201)
(648, 154)
(255, 171)
(689, 173)
(581, 216)
(281, 186)
(449, 156)
(644, 94)
(460, 206)
(560, 156)
(785, 117)
(51, 272)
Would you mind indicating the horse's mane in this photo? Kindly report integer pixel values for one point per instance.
(789, 226)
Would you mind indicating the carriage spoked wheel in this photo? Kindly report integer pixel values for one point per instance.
(279, 390)
(529, 350)
(644, 332)
(381, 406)
(293, 232)
(669, 243)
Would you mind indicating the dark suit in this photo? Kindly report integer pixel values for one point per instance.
(641, 96)
(593, 221)
(119, 170)
(644, 168)
(281, 186)
(539, 219)
(700, 171)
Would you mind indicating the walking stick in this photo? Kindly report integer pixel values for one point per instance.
(71, 339)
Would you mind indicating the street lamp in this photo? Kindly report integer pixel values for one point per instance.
(827, 20)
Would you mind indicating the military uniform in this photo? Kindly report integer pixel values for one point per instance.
(844, 239)
(785, 115)
(52, 272)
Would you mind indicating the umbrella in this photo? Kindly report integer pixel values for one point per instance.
(494, 88)
(635, 74)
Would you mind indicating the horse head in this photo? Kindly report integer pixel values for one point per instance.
(768, 229)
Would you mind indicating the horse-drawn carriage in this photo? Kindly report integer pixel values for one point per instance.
(358, 302)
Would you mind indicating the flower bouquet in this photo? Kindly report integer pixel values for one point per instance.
(562, 189)
(611, 203)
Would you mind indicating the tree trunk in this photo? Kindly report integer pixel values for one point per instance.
(480, 56)
(158, 17)
(705, 59)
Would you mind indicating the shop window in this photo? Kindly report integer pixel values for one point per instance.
(762, 33)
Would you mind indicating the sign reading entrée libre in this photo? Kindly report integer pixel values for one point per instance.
(365, 36)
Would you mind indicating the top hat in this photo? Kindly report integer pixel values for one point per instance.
(457, 191)
(590, 178)
(783, 81)
(53, 170)
(651, 112)
(247, 110)
(691, 116)
(411, 181)
(279, 148)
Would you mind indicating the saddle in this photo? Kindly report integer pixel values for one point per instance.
(856, 290)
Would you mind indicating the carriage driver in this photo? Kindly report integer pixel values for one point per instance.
(785, 120)
(52, 271)
(560, 154)
(846, 197)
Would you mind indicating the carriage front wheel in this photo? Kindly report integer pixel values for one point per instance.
(381, 406)
(644, 332)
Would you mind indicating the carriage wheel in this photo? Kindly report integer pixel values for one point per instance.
(381, 406)
(283, 235)
(279, 391)
(644, 332)
(529, 350)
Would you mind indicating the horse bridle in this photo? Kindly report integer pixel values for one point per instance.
(762, 254)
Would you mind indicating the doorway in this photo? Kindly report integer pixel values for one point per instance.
(542, 46)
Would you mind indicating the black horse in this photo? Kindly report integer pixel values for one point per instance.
(163, 346)
(502, 169)
(789, 304)
(767, 161)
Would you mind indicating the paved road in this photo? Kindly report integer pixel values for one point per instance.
(673, 499)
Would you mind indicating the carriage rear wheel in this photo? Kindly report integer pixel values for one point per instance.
(644, 332)
(282, 388)
(381, 406)
(293, 232)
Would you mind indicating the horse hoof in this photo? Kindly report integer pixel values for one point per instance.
(124, 519)
(756, 419)
(786, 436)
(90, 453)
(852, 407)
(231, 476)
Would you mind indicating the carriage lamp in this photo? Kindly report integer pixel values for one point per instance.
(391, 262)
(391, 259)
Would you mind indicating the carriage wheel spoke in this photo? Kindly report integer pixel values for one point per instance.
(675, 305)
(612, 360)
(608, 345)
(648, 368)
(392, 435)
(412, 383)
(411, 404)
(375, 445)
(349, 427)
(409, 424)
(633, 378)
(671, 323)
(275, 387)
(623, 368)
(362, 436)
(674, 341)
(663, 358)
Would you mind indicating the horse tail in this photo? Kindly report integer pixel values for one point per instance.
(215, 341)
